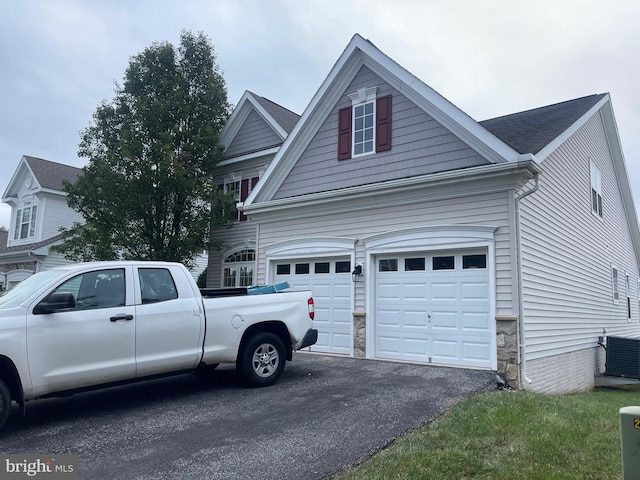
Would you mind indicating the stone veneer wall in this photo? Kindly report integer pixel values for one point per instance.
(359, 335)
(507, 343)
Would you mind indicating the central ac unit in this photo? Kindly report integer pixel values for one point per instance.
(623, 357)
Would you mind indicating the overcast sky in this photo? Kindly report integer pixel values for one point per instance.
(60, 58)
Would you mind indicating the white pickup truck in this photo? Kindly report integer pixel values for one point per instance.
(84, 325)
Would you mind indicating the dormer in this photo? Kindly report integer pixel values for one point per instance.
(35, 185)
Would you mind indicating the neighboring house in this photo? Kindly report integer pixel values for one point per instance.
(252, 136)
(38, 209)
(510, 244)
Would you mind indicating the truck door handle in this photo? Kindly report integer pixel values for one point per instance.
(121, 317)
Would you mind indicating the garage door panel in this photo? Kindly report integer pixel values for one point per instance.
(444, 320)
(475, 351)
(342, 291)
(390, 291)
(415, 346)
(444, 291)
(414, 318)
(472, 291)
(459, 329)
(445, 351)
(475, 321)
(415, 291)
(331, 289)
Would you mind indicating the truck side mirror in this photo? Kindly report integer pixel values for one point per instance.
(55, 302)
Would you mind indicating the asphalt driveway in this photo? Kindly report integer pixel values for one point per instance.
(325, 414)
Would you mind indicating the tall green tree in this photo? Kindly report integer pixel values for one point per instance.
(147, 191)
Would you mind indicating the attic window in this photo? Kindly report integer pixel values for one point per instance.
(365, 126)
(596, 191)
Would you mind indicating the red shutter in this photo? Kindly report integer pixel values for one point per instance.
(244, 193)
(383, 123)
(254, 182)
(344, 133)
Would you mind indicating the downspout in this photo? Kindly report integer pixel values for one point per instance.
(523, 361)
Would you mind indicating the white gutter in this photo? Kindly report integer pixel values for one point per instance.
(523, 361)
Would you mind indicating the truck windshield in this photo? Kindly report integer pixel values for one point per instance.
(18, 294)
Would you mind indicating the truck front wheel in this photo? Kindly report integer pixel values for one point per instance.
(262, 359)
(5, 403)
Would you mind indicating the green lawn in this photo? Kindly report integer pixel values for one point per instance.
(512, 435)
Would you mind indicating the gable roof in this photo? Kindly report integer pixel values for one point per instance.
(280, 119)
(532, 130)
(48, 175)
(51, 174)
(283, 116)
(358, 53)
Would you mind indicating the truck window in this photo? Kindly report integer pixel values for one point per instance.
(156, 285)
(99, 289)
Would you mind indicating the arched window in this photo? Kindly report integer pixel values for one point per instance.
(238, 268)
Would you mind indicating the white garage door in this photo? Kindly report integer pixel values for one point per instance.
(330, 283)
(434, 308)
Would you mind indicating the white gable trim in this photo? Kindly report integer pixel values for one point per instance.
(310, 246)
(560, 139)
(247, 103)
(361, 52)
(429, 237)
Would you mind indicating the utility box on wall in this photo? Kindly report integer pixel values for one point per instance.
(630, 438)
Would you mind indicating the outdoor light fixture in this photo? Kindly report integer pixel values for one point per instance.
(357, 272)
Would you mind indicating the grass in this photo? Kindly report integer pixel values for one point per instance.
(511, 435)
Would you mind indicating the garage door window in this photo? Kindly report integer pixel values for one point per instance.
(283, 269)
(444, 263)
(321, 267)
(411, 264)
(302, 268)
(388, 265)
(474, 261)
(343, 267)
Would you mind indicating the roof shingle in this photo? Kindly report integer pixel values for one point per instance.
(532, 130)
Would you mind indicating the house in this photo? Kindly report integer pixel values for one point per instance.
(252, 136)
(38, 210)
(510, 244)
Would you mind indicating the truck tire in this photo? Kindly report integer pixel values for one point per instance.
(5, 403)
(262, 359)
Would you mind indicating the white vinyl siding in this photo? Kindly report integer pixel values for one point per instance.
(567, 252)
(488, 209)
(56, 214)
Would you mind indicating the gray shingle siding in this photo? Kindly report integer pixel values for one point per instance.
(420, 145)
(255, 134)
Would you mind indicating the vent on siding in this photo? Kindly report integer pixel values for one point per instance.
(623, 357)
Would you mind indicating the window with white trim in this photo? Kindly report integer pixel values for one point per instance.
(238, 267)
(25, 224)
(627, 288)
(596, 191)
(241, 190)
(614, 284)
(365, 126)
(363, 131)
